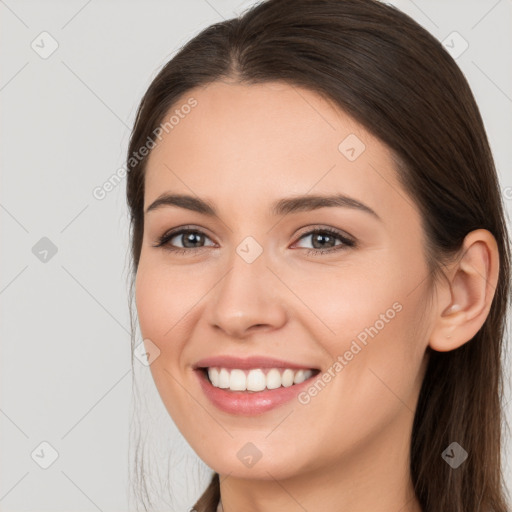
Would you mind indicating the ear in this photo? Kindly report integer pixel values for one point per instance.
(465, 302)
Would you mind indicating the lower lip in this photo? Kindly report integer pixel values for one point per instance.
(247, 403)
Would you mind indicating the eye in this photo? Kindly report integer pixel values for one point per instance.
(187, 236)
(325, 241)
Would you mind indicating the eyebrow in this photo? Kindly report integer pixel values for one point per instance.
(281, 207)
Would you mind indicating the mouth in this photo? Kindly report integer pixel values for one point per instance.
(250, 391)
(255, 380)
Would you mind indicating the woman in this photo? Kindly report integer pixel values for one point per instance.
(321, 263)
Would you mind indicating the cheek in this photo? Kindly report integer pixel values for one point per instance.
(169, 301)
(386, 372)
(149, 298)
(165, 310)
(375, 383)
(348, 298)
(157, 311)
(374, 334)
(379, 298)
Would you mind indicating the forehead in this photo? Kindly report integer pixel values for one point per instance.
(245, 145)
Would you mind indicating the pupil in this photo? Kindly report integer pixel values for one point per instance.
(320, 236)
(190, 238)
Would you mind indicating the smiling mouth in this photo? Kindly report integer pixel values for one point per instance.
(256, 379)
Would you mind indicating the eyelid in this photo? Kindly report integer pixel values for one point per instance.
(312, 229)
(171, 233)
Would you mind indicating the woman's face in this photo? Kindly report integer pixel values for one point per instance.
(249, 285)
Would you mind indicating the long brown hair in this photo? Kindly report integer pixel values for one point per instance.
(396, 80)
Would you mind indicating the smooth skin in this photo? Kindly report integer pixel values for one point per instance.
(242, 148)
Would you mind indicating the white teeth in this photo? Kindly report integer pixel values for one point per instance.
(299, 377)
(213, 373)
(256, 380)
(287, 378)
(223, 378)
(274, 379)
(237, 380)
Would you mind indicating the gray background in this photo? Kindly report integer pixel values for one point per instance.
(65, 358)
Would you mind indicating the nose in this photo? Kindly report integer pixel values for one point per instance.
(247, 299)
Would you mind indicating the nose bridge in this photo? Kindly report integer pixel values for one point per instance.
(245, 296)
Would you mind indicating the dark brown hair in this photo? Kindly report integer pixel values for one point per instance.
(397, 80)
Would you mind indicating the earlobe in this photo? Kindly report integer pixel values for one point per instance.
(467, 299)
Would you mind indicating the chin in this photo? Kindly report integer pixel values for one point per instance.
(264, 468)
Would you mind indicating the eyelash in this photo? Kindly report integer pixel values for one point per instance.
(163, 241)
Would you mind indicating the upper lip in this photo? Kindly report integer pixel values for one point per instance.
(248, 363)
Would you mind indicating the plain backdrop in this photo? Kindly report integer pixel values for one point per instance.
(72, 75)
